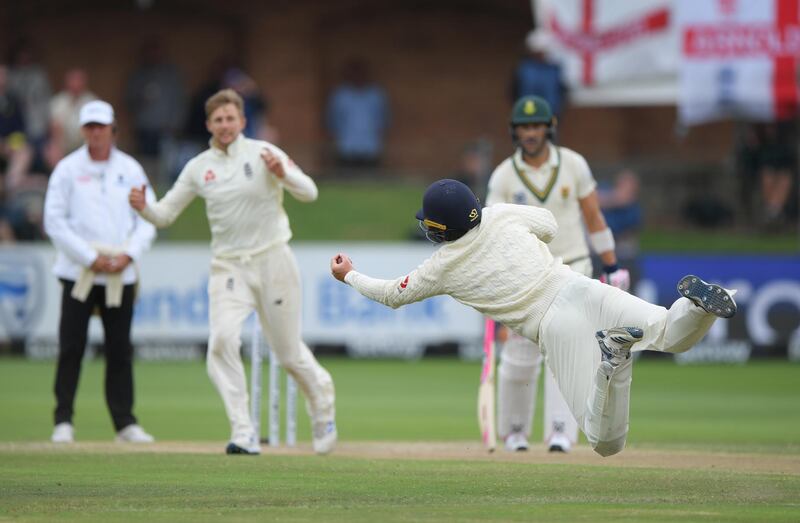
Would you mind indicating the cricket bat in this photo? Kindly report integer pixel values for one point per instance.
(486, 418)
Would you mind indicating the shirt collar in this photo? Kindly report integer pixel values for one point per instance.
(233, 148)
(85, 152)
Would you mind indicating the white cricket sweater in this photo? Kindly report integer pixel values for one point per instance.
(502, 268)
(244, 201)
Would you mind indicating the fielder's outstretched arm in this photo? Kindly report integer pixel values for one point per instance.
(393, 293)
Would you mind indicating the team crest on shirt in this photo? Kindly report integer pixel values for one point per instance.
(565, 192)
(403, 285)
(519, 198)
(248, 170)
(209, 176)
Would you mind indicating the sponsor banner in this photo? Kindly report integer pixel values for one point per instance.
(172, 306)
(738, 59)
(172, 303)
(768, 297)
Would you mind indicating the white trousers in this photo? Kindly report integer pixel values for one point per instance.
(567, 338)
(269, 283)
(518, 380)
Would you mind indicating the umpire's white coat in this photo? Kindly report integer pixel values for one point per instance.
(503, 269)
(252, 268)
(87, 205)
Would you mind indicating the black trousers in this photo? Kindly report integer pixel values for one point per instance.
(72, 334)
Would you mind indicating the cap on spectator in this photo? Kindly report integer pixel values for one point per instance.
(97, 111)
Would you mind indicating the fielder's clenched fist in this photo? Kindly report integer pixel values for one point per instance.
(341, 264)
(274, 164)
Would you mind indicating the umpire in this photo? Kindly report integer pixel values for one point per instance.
(98, 238)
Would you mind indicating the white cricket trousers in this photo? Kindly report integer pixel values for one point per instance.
(600, 402)
(268, 282)
(518, 381)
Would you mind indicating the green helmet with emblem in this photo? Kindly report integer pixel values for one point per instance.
(531, 109)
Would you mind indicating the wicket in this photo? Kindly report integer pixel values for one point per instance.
(256, 359)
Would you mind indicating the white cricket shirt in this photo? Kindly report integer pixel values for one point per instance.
(244, 202)
(556, 186)
(502, 268)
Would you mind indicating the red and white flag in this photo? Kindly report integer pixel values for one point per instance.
(601, 42)
(739, 59)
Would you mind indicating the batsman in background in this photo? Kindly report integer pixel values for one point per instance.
(496, 261)
(558, 179)
(242, 182)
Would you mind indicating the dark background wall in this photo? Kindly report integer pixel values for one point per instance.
(445, 64)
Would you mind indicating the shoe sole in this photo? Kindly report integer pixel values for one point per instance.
(709, 297)
(233, 448)
(557, 448)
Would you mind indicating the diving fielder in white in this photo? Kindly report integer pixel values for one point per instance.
(496, 260)
(558, 179)
(242, 182)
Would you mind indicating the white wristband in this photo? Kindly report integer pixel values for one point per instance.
(602, 241)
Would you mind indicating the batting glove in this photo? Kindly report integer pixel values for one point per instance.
(616, 277)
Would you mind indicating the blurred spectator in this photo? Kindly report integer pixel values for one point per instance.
(255, 106)
(357, 116)
(28, 80)
(535, 75)
(620, 206)
(65, 130)
(25, 212)
(156, 100)
(15, 153)
(6, 232)
(768, 157)
(474, 168)
(195, 129)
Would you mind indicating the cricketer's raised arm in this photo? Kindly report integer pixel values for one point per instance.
(411, 288)
(299, 184)
(163, 213)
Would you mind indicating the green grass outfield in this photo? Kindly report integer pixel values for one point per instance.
(707, 443)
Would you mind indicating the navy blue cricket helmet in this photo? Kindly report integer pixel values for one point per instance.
(449, 211)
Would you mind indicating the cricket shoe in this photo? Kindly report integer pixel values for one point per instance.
(246, 444)
(516, 442)
(324, 436)
(133, 434)
(709, 297)
(559, 443)
(615, 344)
(63, 433)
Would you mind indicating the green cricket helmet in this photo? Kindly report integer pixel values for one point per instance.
(531, 109)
